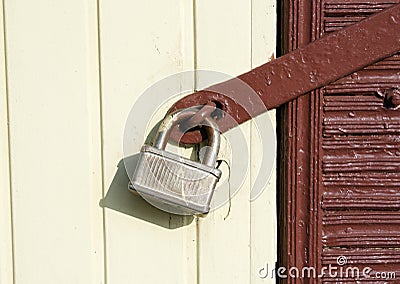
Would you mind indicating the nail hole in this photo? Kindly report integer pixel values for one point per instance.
(219, 112)
(392, 98)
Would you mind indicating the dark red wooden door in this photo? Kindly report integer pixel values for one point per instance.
(340, 151)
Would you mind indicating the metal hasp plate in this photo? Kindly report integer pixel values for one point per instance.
(315, 65)
(183, 184)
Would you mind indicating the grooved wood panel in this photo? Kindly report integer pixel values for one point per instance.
(349, 170)
(231, 240)
(69, 73)
(6, 242)
(360, 158)
(54, 154)
(141, 43)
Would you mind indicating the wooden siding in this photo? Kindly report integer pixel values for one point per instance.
(70, 71)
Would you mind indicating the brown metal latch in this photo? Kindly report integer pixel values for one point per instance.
(313, 66)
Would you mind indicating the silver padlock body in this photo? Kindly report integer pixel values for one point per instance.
(182, 184)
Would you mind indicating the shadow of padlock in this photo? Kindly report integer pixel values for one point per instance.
(174, 183)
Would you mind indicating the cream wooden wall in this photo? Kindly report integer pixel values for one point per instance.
(70, 70)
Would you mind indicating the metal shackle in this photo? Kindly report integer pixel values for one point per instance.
(212, 131)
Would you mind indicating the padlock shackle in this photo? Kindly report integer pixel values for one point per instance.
(211, 127)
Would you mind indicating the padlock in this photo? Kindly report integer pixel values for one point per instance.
(174, 183)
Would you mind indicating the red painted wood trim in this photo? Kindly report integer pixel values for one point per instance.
(315, 65)
(338, 167)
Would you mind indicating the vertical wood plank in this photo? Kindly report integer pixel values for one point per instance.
(263, 210)
(6, 242)
(223, 43)
(55, 141)
(141, 42)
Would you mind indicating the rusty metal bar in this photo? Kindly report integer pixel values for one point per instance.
(313, 66)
